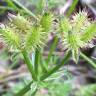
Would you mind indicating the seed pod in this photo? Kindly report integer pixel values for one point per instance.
(46, 21)
(20, 22)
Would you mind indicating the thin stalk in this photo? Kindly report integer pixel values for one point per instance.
(26, 10)
(71, 9)
(56, 68)
(53, 47)
(29, 64)
(43, 65)
(27, 88)
(24, 90)
(34, 93)
(12, 4)
(4, 8)
(37, 59)
(88, 59)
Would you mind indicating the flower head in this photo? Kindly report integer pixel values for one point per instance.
(10, 37)
(33, 36)
(20, 22)
(77, 32)
(46, 21)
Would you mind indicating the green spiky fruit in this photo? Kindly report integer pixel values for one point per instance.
(10, 37)
(46, 21)
(77, 32)
(20, 22)
(35, 38)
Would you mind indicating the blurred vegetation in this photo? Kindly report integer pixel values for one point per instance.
(87, 90)
(54, 87)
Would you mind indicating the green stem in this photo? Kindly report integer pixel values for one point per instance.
(12, 4)
(53, 46)
(4, 8)
(24, 90)
(56, 68)
(29, 64)
(26, 10)
(71, 9)
(43, 65)
(36, 63)
(27, 88)
(34, 93)
(88, 59)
